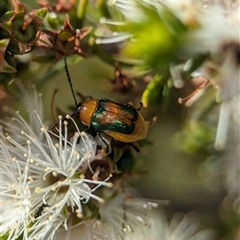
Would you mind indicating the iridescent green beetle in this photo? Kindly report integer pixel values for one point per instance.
(123, 122)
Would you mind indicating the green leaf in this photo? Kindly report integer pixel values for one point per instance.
(157, 39)
(154, 90)
(81, 10)
(13, 47)
(41, 13)
(6, 17)
(172, 22)
(5, 58)
(103, 9)
(54, 21)
(7, 70)
(5, 5)
(4, 34)
(3, 44)
(5, 78)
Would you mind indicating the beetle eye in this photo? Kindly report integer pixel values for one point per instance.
(78, 109)
(79, 105)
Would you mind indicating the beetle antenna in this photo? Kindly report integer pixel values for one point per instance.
(69, 80)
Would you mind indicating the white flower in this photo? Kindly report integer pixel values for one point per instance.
(231, 156)
(221, 43)
(129, 9)
(15, 193)
(126, 217)
(209, 37)
(129, 218)
(121, 215)
(41, 167)
(214, 32)
(183, 227)
(47, 194)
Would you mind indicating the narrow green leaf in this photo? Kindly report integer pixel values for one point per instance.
(81, 10)
(41, 13)
(153, 91)
(6, 17)
(5, 5)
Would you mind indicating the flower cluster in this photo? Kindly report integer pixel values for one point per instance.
(52, 189)
(42, 170)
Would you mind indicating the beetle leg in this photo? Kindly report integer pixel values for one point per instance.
(140, 107)
(129, 104)
(134, 145)
(104, 141)
(136, 148)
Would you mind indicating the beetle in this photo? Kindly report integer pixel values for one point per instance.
(123, 122)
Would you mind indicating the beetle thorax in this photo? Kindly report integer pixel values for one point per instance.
(87, 110)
